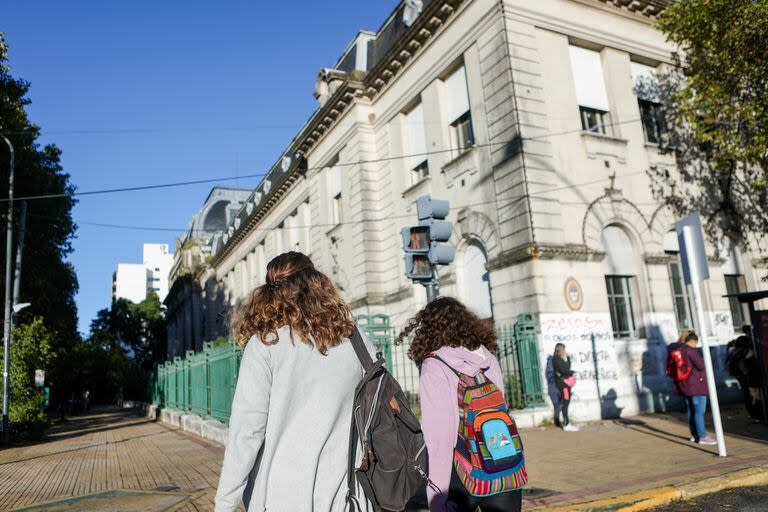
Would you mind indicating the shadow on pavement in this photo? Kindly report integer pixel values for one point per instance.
(644, 428)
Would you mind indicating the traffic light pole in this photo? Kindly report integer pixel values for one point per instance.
(433, 290)
(8, 278)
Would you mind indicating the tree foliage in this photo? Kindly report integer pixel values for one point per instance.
(32, 349)
(49, 281)
(715, 106)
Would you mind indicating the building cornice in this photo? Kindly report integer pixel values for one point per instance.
(530, 251)
(249, 224)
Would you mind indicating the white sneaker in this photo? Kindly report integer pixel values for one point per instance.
(571, 428)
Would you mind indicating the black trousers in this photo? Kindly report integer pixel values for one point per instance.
(511, 501)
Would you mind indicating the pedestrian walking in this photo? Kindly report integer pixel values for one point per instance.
(565, 379)
(475, 455)
(686, 366)
(290, 423)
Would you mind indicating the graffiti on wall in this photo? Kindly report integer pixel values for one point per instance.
(588, 338)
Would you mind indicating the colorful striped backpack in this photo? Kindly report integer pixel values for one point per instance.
(489, 451)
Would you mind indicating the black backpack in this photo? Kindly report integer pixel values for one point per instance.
(393, 448)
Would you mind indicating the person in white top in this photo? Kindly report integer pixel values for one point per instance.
(289, 429)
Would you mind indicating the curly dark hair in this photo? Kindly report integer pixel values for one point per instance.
(446, 322)
(298, 296)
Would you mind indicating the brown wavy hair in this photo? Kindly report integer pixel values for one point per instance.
(446, 322)
(299, 296)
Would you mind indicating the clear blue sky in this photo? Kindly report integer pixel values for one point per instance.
(190, 90)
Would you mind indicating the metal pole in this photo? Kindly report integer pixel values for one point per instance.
(19, 253)
(7, 318)
(708, 368)
(432, 290)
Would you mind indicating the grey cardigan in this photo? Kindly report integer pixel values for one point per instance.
(289, 428)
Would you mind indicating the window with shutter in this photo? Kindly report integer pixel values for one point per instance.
(591, 95)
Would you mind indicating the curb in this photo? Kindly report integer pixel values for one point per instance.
(649, 498)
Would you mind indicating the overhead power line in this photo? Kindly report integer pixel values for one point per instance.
(340, 164)
(513, 202)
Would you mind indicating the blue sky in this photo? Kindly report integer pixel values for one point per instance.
(147, 92)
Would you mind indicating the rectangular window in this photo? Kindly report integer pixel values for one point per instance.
(457, 109)
(591, 95)
(735, 284)
(417, 143)
(680, 298)
(461, 133)
(653, 125)
(621, 305)
(593, 120)
(335, 193)
(648, 100)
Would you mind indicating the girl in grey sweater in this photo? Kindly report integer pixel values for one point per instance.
(291, 413)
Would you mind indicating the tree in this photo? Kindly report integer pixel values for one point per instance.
(714, 103)
(49, 281)
(32, 349)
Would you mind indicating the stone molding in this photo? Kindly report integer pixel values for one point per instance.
(568, 252)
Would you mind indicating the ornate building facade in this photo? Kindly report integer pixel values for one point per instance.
(525, 116)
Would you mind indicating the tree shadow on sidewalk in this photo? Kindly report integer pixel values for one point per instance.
(644, 428)
(736, 423)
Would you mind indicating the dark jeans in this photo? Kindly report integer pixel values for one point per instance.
(510, 501)
(562, 406)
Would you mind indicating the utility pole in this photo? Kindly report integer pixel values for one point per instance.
(7, 319)
(19, 253)
(423, 245)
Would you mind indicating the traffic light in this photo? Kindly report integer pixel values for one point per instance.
(424, 244)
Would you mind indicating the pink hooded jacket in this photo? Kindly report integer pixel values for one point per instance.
(440, 411)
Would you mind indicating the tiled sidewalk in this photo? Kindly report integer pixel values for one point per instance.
(112, 450)
(616, 457)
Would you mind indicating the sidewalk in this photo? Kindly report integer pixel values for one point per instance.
(111, 459)
(116, 460)
(616, 457)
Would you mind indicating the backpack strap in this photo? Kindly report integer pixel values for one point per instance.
(361, 351)
(463, 377)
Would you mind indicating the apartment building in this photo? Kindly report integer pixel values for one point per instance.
(526, 116)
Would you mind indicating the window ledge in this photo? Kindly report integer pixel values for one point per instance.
(604, 137)
(465, 163)
(418, 185)
(599, 145)
(334, 230)
(461, 156)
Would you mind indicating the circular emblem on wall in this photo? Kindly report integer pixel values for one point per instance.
(574, 295)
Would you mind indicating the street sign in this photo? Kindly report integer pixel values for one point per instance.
(39, 378)
(693, 253)
(693, 256)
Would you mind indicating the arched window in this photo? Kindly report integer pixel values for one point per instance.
(733, 272)
(475, 281)
(680, 298)
(619, 270)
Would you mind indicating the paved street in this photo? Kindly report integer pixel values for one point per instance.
(111, 450)
(747, 499)
(115, 452)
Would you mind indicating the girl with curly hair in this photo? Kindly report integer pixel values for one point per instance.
(448, 338)
(289, 426)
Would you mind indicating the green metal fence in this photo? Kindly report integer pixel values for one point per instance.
(203, 383)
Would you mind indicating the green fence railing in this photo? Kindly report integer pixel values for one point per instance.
(203, 383)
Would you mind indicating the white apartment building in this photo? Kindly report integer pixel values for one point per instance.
(130, 282)
(524, 115)
(133, 281)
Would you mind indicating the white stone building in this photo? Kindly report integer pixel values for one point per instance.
(524, 115)
(133, 281)
(187, 304)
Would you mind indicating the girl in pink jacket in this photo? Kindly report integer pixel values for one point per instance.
(462, 343)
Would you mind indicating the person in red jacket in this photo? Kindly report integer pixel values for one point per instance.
(694, 388)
